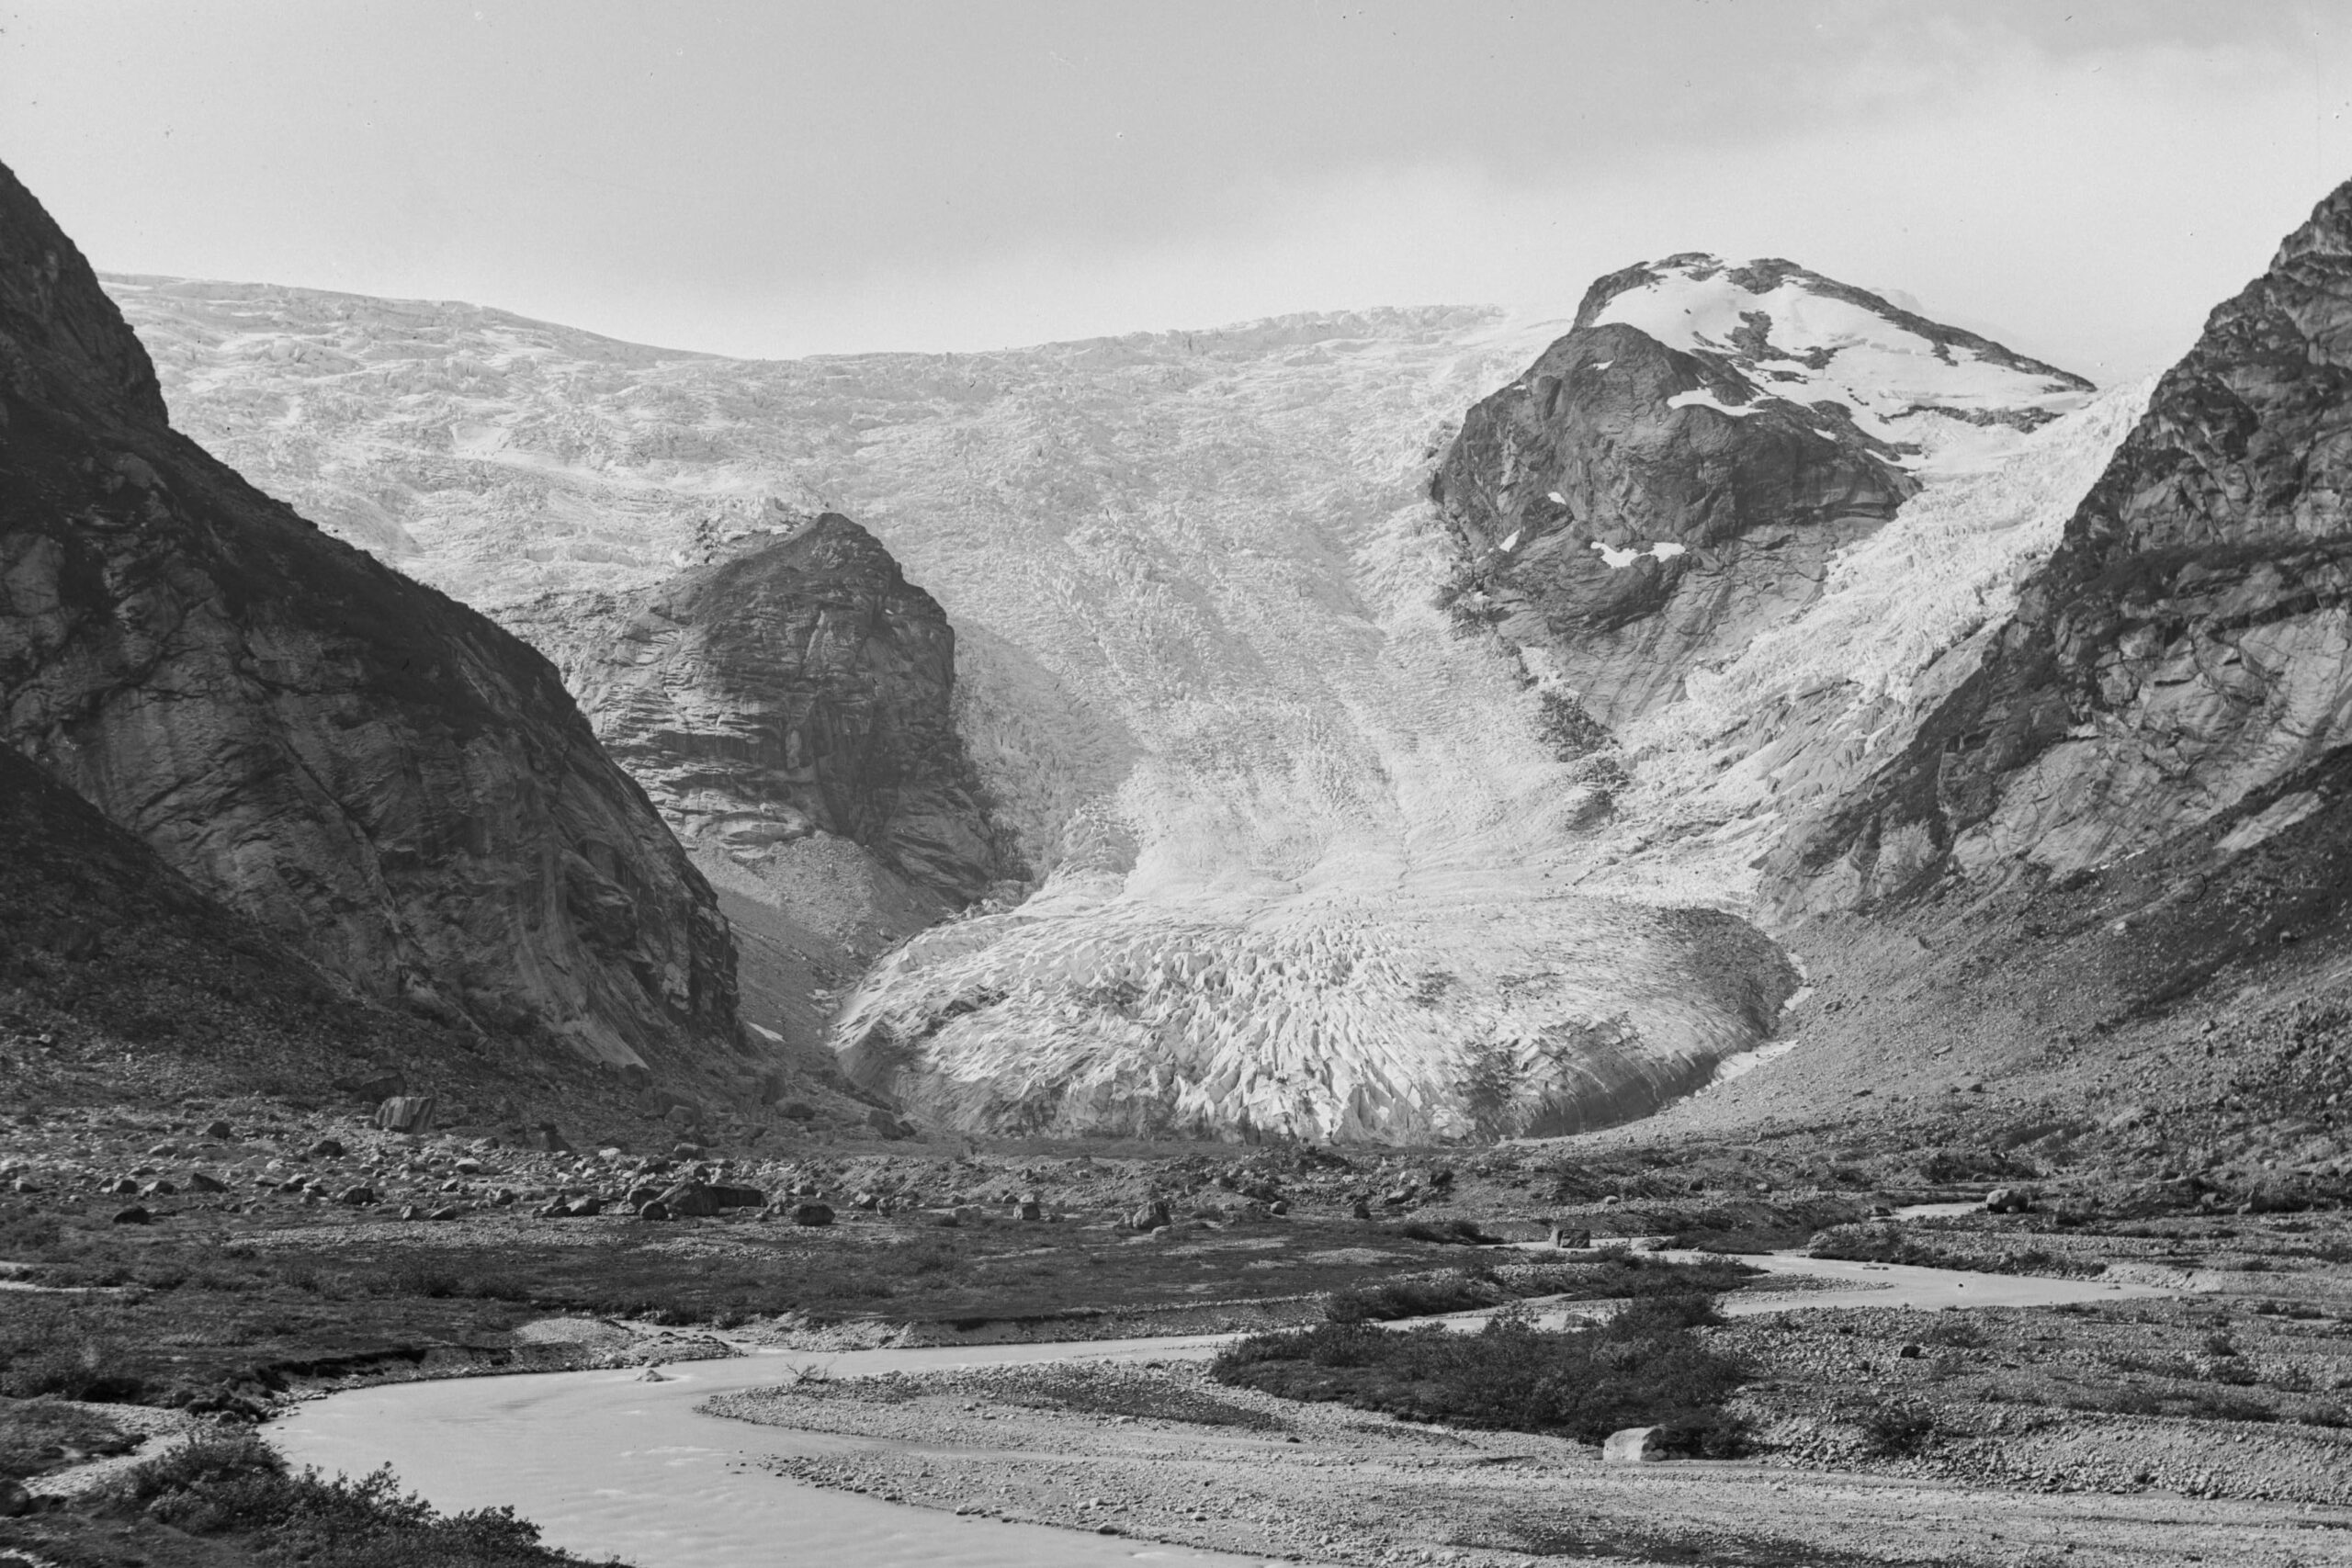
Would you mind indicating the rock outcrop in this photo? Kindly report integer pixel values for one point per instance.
(2186, 655)
(382, 778)
(797, 685)
(1677, 472)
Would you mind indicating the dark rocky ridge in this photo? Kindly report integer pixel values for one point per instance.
(2182, 656)
(377, 775)
(787, 706)
(798, 684)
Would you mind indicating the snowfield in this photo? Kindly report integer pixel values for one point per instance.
(1306, 861)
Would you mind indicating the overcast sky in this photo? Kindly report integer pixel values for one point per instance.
(776, 178)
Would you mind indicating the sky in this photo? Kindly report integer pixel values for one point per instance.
(2085, 181)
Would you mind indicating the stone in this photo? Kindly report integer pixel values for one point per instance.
(158, 1189)
(217, 1130)
(15, 1499)
(2008, 1201)
(1031, 1209)
(325, 1148)
(584, 1207)
(1150, 1216)
(691, 1200)
(1359, 1208)
(653, 1210)
(133, 1215)
(376, 776)
(1632, 1445)
(410, 1114)
(357, 1197)
(548, 1139)
(812, 1215)
(448, 1212)
(411, 1212)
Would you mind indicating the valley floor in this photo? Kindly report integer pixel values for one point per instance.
(2126, 1368)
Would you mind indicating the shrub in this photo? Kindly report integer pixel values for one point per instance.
(1899, 1431)
(231, 1483)
(1642, 1367)
(1459, 1290)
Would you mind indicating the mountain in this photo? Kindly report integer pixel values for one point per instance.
(1298, 844)
(2183, 652)
(377, 777)
(1679, 473)
(788, 708)
(2090, 894)
(1742, 527)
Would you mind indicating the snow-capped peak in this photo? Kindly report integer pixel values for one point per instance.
(1794, 335)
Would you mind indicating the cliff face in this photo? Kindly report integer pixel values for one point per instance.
(378, 777)
(2183, 656)
(1676, 474)
(798, 685)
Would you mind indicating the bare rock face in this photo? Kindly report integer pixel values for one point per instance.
(378, 777)
(798, 685)
(2181, 660)
(1677, 472)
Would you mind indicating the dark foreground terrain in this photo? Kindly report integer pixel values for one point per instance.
(196, 1265)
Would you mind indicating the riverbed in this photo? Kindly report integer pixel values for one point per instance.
(609, 1463)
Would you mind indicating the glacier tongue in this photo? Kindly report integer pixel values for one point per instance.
(1303, 845)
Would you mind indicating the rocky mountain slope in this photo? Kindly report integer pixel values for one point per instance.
(2095, 891)
(1301, 843)
(1679, 471)
(378, 777)
(1742, 526)
(788, 708)
(2182, 652)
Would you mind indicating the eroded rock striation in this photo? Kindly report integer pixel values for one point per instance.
(375, 775)
(1677, 472)
(2182, 656)
(799, 684)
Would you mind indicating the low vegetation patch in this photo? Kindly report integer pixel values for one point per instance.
(1626, 1275)
(229, 1498)
(37, 1436)
(1645, 1367)
(1882, 1244)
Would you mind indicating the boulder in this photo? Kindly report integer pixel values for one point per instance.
(133, 1215)
(700, 1199)
(812, 1215)
(199, 1182)
(14, 1499)
(654, 1209)
(325, 1148)
(1032, 1209)
(406, 1113)
(1632, 1445)
(217, 1130)
(1150, 1216)
(357, 1197)
(546, 1138)
(2008, 1200)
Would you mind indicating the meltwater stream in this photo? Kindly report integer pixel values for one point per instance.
(607, 1464)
